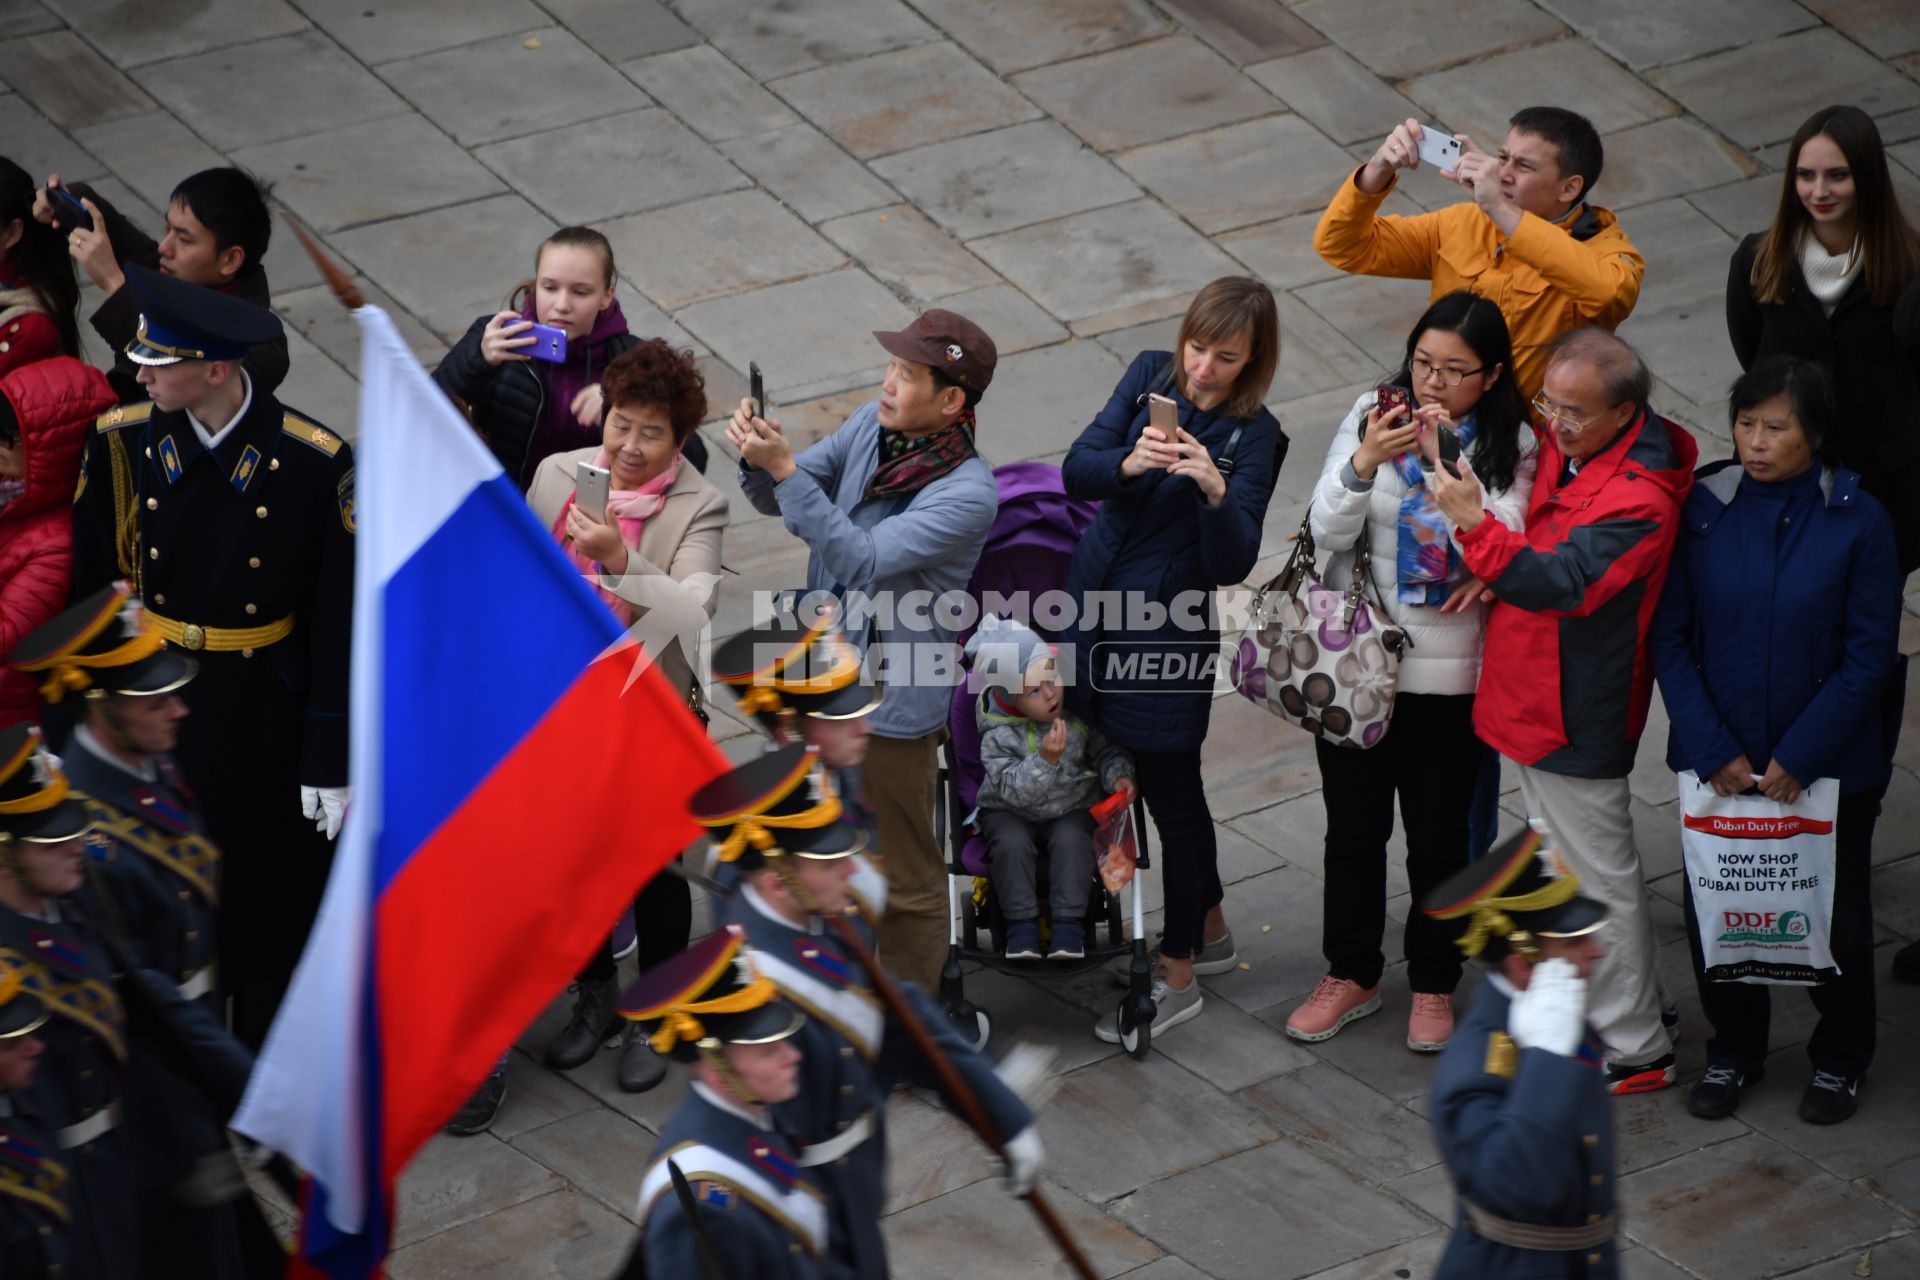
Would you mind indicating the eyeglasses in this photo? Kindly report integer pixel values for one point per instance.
(1422, 369)
(1551, 414)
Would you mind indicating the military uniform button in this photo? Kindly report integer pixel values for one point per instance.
(159, 597)
(253, 562)
(1592, 1139)
(1593, 1217)
(1598, 1180)
(846, 1090)
(1593, 1259)
(153, 504)
(261, 512)
(844, 1124)
(273, 464)
(246, 653)
(184, 895)
(46, 1231)
(87, 1074)
(153, 553)
(794, 1247)
(253, 608)
(846, 1051)
(149, 452)
(193, 935)
(842, 1161)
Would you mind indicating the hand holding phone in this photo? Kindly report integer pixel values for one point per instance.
(68, 212)
(1163, 414)
(549, 343)
(1440, 150)
(591, 487)
(1449, 449)
(756, 389)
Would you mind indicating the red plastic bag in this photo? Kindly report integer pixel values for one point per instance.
(1113, 842)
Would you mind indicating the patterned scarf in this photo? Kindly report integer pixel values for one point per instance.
(908, 465)
(11, 488)
(1427, 560)
(630, 508)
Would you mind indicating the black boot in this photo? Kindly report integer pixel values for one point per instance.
(640, 1067)
(594, 1020)
(479, 1110)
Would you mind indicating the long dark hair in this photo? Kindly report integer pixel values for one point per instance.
(1500, 415)
(1889, 248)
(41, 258)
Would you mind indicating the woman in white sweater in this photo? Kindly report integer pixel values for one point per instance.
(1458, 365)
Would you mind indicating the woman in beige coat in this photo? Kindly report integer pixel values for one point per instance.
(655, 556)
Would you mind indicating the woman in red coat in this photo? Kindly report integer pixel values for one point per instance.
(39, 295)
(46, 411)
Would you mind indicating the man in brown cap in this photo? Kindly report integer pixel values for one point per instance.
(895, 502)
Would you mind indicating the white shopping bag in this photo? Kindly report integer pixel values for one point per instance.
(1762, 879)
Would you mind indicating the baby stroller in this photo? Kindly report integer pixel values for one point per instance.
(1028, 549)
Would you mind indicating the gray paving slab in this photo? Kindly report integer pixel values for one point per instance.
(929, 1153)
(1281, 253)
(1278, 1233)
(317, 314)
(1003, 1239)
(711, 94)
(1007, 178)
(1417, 1257)
(1245, 31)
(1852, 1150)
(1283, 964)
(1649, 33)
(798, 35)
(808, 172)
(1014, 321)
(1326, 1111)
(39, 147)
(1400, 38)
(1741, 208)
(535, 1097)
(132, 35)
(1335, 94)
(281, 88)
(1893, 1257)
(1314, 356)
(1887, 27)
(1045, 398)
(70, 84)
(717, 245)
(1652, 1128)
(511, 86)
(318, 387)
(1235, 1051)
(1372, 311)
(843, 309)
(455, 1180)
(385, 33)
(556, 1237)
(366, 172)
(150, 153)
(27, 17)
(907, 98)
(1240, 174)
(902, 248)
(1682, 1210)
(1740, 93)
(1253, 759)
(447, 266)
(1569, 73)
(595, 1154)
(1145, 92)
(1015, 35)
(1665, 158)
(1127, 255)
(617, 165)
(619, 30)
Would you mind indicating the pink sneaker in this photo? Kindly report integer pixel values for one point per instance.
(1333, 1004)
(1430, 1025)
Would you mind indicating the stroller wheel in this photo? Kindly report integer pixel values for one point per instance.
(1138, 1038)
(972, 1022)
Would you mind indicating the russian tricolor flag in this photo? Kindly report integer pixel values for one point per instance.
(511, 790)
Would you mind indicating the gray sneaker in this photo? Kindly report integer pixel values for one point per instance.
(1174, 1005)
(1215, 957)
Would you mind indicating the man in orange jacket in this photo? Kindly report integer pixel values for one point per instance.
(1527, 239)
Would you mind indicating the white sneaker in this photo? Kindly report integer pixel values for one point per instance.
(1174, 1005)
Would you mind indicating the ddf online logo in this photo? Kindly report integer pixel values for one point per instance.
(1765, 926)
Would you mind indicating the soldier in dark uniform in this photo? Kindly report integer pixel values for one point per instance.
(756, 1211)
(154, 884)
(43, 850)
(233, 517)
(34, 1213)
(1520, 1104)
(777, 819)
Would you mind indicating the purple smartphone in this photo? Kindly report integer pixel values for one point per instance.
(549, 343)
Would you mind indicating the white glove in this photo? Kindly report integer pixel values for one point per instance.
(1551, 1013)
(1027, 1070)
(1025, 1157)
(326, 806)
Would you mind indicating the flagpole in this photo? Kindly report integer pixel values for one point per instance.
(337, 280)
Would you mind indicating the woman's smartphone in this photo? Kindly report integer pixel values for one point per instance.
(591, 485)
(549, 343)
(1450, 450)
(1163, 413)
(1388, 396)
(68, 212)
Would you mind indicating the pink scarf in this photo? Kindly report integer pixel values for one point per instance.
(631, 509)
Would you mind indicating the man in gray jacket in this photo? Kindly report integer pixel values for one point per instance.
(895, 507)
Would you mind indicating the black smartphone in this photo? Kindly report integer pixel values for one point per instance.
(68, 212)
(756, 390)
(1450, 450)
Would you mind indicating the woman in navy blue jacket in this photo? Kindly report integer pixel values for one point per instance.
(1773, 642)
(1180, 516)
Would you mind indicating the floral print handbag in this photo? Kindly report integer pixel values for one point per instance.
(1321, 657)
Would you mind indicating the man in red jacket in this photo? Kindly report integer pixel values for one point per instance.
(1566, 676)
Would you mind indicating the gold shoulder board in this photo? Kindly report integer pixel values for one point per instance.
(1501, 1055)
(121, 415)
(310, 432)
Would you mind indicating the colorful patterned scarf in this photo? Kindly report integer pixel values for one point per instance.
(1427, 559)
(907, 466)
(630, 508)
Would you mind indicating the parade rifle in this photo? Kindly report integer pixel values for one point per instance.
(710, 1268)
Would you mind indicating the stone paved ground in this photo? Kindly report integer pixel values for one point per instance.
(780, 177)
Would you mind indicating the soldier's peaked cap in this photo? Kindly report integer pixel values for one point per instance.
(182, 321)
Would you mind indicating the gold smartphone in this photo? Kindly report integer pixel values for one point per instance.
(1163, 413)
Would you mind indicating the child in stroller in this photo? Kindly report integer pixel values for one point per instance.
(1043, 771)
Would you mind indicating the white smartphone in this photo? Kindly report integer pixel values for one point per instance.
(591, 486)
(1441, 150)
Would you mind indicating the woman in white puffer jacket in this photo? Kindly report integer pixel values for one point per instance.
(1459, 365)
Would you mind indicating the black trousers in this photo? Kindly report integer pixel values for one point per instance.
(1188, 853)
(1014, 845)
(1431, 760)
(1843, 1040)
(662, 923)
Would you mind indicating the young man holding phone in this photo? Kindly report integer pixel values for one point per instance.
(893, 503)
(1527, 238)
(217, 231)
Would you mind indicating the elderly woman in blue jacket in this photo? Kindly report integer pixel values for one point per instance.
(1773, 642)
(1180, 516)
